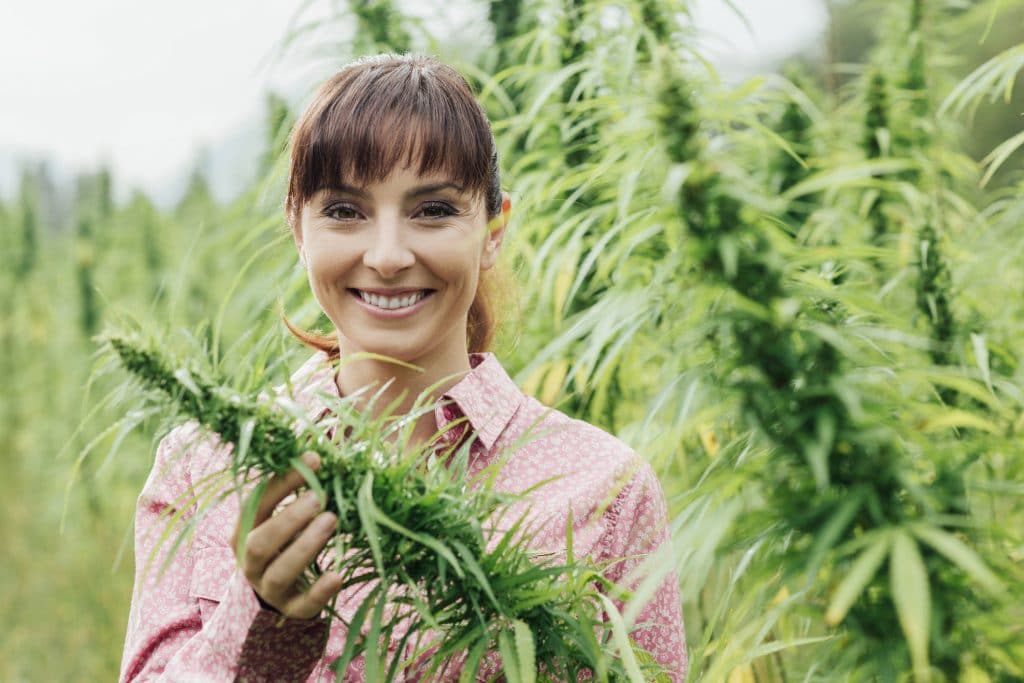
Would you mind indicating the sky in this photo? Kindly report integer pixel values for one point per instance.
(147, 86)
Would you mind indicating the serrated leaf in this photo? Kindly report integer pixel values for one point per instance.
(779, 645)
(829, 534)
(531, 385)
(185, 377)
(311, 480)
(526, 650)
(911, 594)
(857, 579)
(353, 636)
(998, 156)
(553, 381)
(364, 504)
(471, 667)
(509, 658)
(961, 555)
(373, 654)
(245, 438)
(563, 281)
(848, 175)
(972, 388)
(981, 359)
(974, 674)
(621, 639)
(954, 418)
(248, 516)
(744, 673)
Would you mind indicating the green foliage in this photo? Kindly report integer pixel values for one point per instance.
(29, 247)
(279, 124)
(379, 26)
(841, 441)
(90, 315)
(800, 301)
(504, 15)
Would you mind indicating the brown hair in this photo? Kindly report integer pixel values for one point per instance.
(383, 111)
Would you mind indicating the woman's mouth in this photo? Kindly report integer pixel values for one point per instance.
(400, 302)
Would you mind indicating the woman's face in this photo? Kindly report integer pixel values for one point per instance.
(395, 264)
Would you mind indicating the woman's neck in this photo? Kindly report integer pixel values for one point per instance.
(436, 376)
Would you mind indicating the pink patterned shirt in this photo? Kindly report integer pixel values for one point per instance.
(201, 621)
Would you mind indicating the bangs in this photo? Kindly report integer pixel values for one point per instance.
(366, 122)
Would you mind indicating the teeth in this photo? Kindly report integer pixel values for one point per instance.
(391, 302)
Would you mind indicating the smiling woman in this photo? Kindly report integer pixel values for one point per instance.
(396, 209)
(363, 124)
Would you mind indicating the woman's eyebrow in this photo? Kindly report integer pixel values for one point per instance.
(346, 189)
(432, 188)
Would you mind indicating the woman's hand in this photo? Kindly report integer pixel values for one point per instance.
(280, 547)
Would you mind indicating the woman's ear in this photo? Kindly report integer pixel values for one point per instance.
(296, 228)
(496, 233)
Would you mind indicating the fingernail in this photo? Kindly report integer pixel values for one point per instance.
(327, 522)
(310, 500)
(311, 459)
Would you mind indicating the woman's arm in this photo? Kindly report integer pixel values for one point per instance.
(638, 534)
(175, 631)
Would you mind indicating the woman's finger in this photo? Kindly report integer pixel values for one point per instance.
(278, 579)
(270, 538)
(309, 604)
(278, 487)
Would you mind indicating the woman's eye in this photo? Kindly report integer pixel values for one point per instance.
(341, 212)
(437, 210)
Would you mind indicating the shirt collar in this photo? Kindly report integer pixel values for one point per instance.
(486, 396)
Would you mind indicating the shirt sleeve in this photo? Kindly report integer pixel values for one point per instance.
(173, 633)
(638, 541)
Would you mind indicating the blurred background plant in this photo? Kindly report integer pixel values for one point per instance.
(799, 296)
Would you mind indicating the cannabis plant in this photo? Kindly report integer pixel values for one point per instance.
(416, 532)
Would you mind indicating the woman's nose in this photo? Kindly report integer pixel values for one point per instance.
(388, 254)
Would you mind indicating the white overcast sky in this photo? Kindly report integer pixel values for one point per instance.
(145, 85)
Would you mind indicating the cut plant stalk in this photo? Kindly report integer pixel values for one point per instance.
(414, 531)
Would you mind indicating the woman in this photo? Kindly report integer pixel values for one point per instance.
(396, 210)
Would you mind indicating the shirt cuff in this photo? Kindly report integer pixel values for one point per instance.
(275, 647)
(281, 649)
(265, 645)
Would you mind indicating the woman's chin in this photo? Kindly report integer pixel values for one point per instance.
(400, 352)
